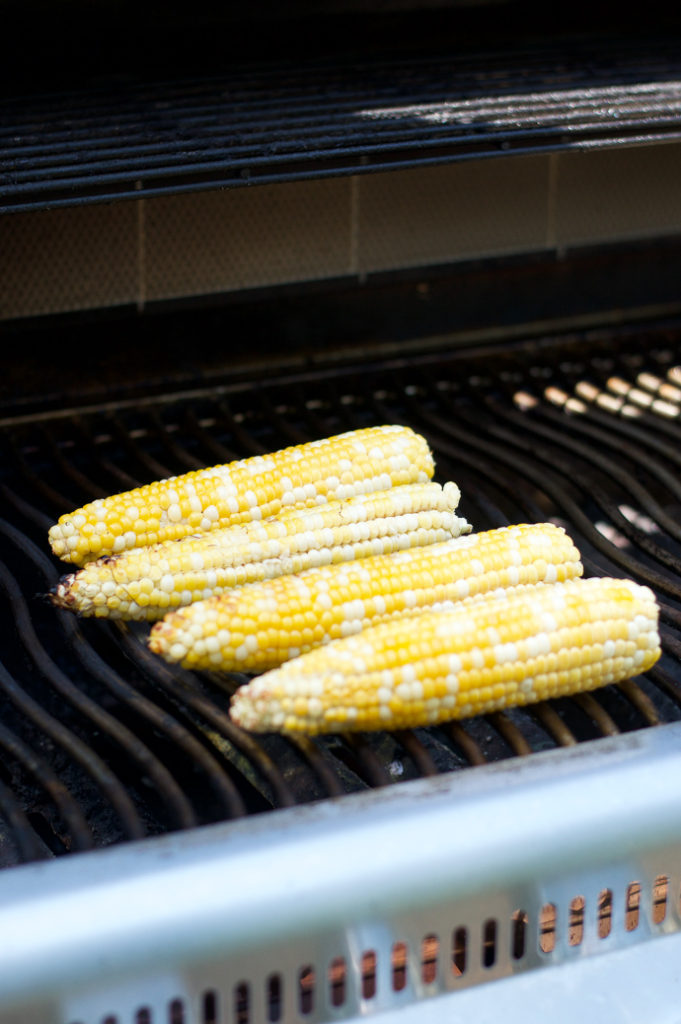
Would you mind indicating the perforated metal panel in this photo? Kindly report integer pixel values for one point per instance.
(222, 242)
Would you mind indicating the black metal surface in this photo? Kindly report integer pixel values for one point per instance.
(285, 121)
(101, 742)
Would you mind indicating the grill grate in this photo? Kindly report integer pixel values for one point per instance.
(273, 124)
(102, 743)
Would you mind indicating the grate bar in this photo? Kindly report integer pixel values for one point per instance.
(349, 119)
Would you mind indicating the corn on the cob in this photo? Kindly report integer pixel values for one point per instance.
(531, 644)
(357, 462)
(261, 625)
(147, 582)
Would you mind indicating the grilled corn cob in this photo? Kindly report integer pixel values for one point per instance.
(147, 582)
(261, 625)
(357, 462)
(530, 644)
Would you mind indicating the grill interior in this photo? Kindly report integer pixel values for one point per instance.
(102, 743)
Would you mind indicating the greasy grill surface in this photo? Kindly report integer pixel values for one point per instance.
(100, 742)
(275, 123)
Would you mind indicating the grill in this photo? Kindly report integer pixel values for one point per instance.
(159, 864)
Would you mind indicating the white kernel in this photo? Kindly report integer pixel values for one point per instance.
(504, 653)
(353, 610)
(177, 652)
(454, 663)
(196, 560)
(315, 708)
(539, 644)
(241, 653)
(167, 583)
(609, 649)
(173, 496)
(118, 545)
(379, 604)
(551, 574)
(408, 673)
(211, 513)
(174, 513)
(384, 695)
(462, 588)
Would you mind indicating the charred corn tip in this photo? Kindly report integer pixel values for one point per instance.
(533, 643)
(147, 582)
(261, 625)
(356, 462)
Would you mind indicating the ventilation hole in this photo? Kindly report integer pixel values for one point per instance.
(632, 906)
(306, 990)
(143, 1015)
(176, 1012)
(337, 981)
(518, 934)
(459, 948)
(604, 913)
(368, 974)
(489, 943)
(274, 997)
(576, 921)
(242, 1003)
(398, 961)
(429, 953)
(660, 894)
(547, 928)
(210, 1008)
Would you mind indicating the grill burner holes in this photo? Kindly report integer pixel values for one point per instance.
(576, 921)
(368, 974)
(337, 980)
(210, 1008)
(518, 934)
(306, 990)
(632, 905)
(429, 953)
(547, 928)
(604, 913)
(459, 947)
(242, 1003)
(274, 997)
(176, 1012)
(489, 943)
(660, 893)
(399, 966)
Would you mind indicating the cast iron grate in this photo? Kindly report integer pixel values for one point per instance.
(102, 743)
